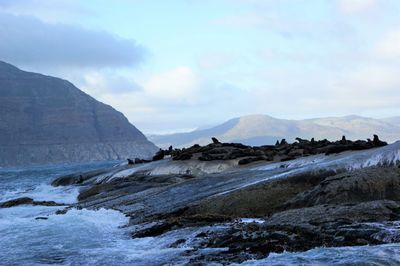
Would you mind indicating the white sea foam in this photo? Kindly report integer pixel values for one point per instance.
(363, 255)
(80, 237)
(252, 220)
(44, 192)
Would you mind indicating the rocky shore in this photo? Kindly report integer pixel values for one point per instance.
(245, 202)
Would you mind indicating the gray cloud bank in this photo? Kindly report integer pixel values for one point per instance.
(29, 41)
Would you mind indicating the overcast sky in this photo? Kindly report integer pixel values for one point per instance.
(177, 65)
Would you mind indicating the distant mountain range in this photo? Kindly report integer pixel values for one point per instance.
(45, 119)
(264, 129)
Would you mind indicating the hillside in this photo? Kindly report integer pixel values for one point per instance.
(45, 119)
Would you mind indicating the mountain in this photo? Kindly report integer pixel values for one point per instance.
(363, 127)
(395, 120)
(45, 119)
(264, 129)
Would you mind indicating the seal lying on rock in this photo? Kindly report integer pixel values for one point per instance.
(215, 140)
(281, 151)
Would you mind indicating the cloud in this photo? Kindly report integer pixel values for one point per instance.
(270, 20)
(247, 19)
(106, 82)
(389, 45)
(215, 60)
(355, 6)
(29, 41)
(46, 10)
(178, 84)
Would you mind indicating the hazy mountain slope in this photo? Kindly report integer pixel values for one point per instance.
(395, 120)
(363, 127)
(201, 136)
(252, 130)
(263, 129)
(262, 125)
(45, 119)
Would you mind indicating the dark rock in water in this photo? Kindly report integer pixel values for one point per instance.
(61, 212)
(27, 201)
(215, 140)
(173, 223)
(54, 122)
(130, 161)
(178, 243)
(41, 218)
(16, 202)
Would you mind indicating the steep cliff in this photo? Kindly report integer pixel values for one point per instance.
(45, 119)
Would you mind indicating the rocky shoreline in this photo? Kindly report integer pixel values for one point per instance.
(331, 194)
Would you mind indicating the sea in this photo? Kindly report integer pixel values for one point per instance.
(101, 237)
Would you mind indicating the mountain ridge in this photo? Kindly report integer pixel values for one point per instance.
(264, 129)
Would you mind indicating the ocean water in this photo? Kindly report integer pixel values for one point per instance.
(80, 237)
(88, 237)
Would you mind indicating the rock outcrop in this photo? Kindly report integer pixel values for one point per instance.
(27, 201)
(341, 199)
(45, 119)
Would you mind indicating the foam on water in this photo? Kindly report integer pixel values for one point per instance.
(44, 192)
(363, 255)
(80, 237)
(252, 220)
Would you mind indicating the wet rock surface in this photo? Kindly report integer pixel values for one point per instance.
(336, 200)
(304, 229)
(27, 201)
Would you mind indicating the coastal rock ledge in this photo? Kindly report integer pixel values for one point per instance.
(236, 212)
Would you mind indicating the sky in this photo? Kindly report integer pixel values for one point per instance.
(176, 65)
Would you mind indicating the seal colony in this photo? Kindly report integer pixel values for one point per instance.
(281, 151)
(294, 197)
